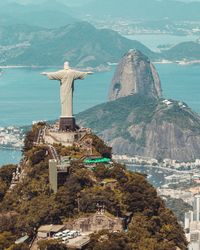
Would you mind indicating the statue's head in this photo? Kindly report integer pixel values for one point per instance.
(66, 65)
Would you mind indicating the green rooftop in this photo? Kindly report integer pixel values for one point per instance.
(96, 160)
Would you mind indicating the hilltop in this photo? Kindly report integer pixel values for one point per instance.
(46, 14)
(32, 203)
(135, 74)
(183, 51)
(139, 125)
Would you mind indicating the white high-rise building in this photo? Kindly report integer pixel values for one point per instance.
(192, 225)
(188, 219)
(196, 208)
(194, 240)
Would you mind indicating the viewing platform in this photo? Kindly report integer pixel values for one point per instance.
(52, 135)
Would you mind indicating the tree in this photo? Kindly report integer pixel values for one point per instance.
(102, 172)
(39, 210)
(6, 239)
(29, 139)
(101, 147)
(6, 173)
(3, 188)
(22, 246)
(109, 241)
(91, 196)
(51, 245)
(38, 155)
(140, 195)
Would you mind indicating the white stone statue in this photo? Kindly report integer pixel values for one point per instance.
(67, 76)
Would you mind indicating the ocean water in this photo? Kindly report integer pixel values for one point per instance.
(152, 41)
(25, 95)
(8, 156)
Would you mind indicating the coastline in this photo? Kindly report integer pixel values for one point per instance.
(181, 62)
(11, 148)
(100, 68)
(25, 66)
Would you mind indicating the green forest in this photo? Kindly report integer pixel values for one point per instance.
(32, 203)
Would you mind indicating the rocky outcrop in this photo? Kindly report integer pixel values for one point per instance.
(137, 121)
(135, 74)
(166, 140)
(139, 125)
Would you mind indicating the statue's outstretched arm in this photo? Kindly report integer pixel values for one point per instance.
(58, 75)
(81, 75)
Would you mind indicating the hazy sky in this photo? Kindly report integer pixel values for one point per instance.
(68, 2)
(79, 2)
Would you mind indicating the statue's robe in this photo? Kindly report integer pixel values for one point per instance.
(66, 78)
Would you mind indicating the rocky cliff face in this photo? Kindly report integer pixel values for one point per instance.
(140, 125)
(166, 140)
(135, 74)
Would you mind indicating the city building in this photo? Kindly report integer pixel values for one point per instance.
(177, 179)
(192, 225)
(188, 219)
(196, 208)
(194, 240)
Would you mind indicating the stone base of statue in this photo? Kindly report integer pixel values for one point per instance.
(67, 124)
(53, 135)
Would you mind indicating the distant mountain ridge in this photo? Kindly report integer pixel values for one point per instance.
(80, 43)
(51, 14)
(184, 50)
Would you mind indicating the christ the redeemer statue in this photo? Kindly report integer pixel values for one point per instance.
(67, 76)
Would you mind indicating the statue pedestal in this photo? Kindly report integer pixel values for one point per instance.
(67, 124)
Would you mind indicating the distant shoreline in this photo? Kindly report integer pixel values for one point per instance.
(23, 66)
(181, 62)
(103, 68)
(100, 68)
(10, 148)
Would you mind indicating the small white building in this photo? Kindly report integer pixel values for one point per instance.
(167, 102)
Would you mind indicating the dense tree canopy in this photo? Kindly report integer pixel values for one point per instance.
(152, 225)
(5, 178)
